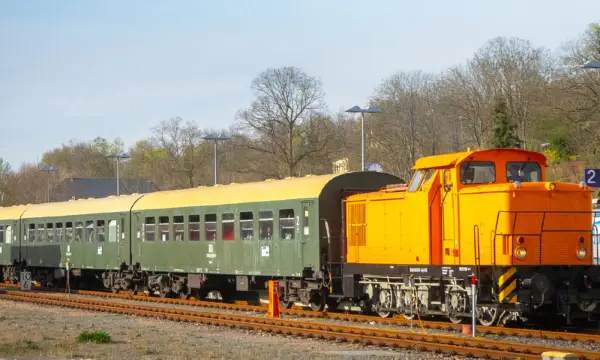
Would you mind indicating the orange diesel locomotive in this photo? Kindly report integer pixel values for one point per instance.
(488, 213)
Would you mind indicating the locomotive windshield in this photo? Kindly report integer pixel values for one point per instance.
(477, 172)
(523, 172)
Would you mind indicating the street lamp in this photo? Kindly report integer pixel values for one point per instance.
(357, 109)
(48, 170)
(118, 157)
(216, 138)
(591, 64)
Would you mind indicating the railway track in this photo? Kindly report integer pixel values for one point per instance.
(452, 345)
(591, 335)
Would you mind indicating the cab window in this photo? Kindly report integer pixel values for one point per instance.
(477, 172)
(416, 180)
(523, 172)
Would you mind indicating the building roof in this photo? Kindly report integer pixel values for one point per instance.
(82, 188)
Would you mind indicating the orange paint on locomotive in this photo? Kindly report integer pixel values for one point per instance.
(483, 207)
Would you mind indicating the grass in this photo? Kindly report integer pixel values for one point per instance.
(94, 336)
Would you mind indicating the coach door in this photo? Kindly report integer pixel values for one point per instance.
(448, 199)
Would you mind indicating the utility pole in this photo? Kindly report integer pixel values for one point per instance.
(48, 170)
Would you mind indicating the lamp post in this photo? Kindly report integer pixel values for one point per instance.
(216, 138)
(48, 170)
(357, 109)
(118, 157)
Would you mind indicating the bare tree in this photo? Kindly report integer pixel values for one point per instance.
(509, 68)
(403, 131)
(281, 121)
(182, 143)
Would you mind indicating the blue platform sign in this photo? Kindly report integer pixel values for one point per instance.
(591, 177)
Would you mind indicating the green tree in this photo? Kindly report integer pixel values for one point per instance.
(504, 129)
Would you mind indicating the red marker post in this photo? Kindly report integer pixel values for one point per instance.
(474, 304)
(273, 298)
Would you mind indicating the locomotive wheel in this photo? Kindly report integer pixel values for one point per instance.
(488, 316)
(408, 316)
(456, 319)
(114, 290)
(384, 314)
(385, 300)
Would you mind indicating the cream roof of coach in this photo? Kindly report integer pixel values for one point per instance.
(111, 204)
(12, 212)
(307, 187)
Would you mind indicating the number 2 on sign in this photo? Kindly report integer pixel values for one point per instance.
(591, 176)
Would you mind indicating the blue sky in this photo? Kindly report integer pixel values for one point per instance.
(75, 69)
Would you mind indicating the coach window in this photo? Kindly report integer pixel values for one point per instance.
(50, 232)
(149, 228)
(228, 226)
(101, 230)
(68, 231)
(59, 232)
(194, 227)
(112, 231)
(178, 227)
(416, 181)
(1, 234)
(31, 232)
(8, 234)
(210, 227)
(246, 225)
(40, 232)
(477, 172)
(523, 172)
(89, 230)
(78, 231)
(163, 228)
(286, 224)
(265, 223)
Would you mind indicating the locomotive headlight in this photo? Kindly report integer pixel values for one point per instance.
(581, 252)
(520, 253)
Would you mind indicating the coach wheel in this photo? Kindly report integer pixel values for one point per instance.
(488, 316)
(133, 290)
(184, 294)
(285, 304)
(164, 292)
(317, 301)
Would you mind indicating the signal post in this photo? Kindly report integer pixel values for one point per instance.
(273, 298)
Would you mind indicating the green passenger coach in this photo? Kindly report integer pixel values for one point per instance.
(250, 232)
